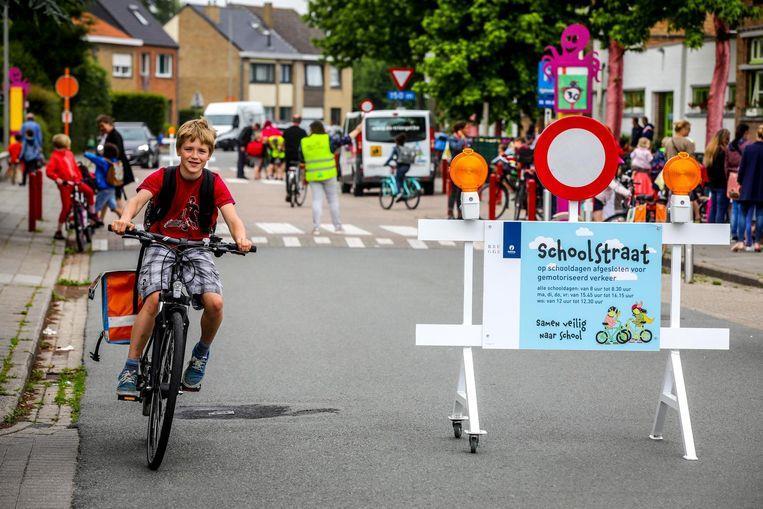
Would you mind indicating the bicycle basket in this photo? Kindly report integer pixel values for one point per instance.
(119, 304)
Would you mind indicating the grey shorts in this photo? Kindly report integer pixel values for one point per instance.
(198, 273)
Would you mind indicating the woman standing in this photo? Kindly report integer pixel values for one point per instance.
(751, 191)
(733, 158)
(715, 162)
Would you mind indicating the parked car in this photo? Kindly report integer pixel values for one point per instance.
(228, 118)
(141, 146)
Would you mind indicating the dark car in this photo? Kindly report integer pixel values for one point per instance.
(140, 145)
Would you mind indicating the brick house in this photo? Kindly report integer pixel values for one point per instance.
(749, 75)
(136, 52)
(243, 53)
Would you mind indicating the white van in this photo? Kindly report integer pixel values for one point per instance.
(228, 118)
(362, 164)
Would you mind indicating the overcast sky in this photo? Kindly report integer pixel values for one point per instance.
(298, 5)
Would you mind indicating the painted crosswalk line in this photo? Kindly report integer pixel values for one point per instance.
(384, 241)
(291, 242)
(322, 240)
(100, 245)
(280, 228)
(417, 244)
(232, 180)
(448, 243)
(349, 229)
(405, 231)
(272, 182)
(258, 240)
(354, 242)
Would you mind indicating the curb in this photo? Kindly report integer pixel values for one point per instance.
(726, 275)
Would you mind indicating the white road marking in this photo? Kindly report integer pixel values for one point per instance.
(259, 240)
(354, 242)
(272, 182)
(280, 228)
(348, 229)
(322, 240)
(100, 245)
(131, 242)
(405, 231)
(383, 242)
(417, 244)
(291, 242)
(232, 180)
(447, 243)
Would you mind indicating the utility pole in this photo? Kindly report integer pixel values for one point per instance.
(6, 85)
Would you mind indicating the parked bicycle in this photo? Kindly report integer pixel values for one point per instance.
(161, 365)
(389, 192)
(296, 185)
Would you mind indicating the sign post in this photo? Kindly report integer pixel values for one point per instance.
(67, 87)
(401, 76)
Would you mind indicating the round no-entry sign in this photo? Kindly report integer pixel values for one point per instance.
(67, 86)
(366, 106)
(576, 157)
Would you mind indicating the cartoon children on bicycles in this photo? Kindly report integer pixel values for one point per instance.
(621, 333)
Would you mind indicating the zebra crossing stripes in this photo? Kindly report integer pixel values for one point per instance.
(259, 240)
(280, 228)
(291, 242)
(354, 242)
(100, 244)
(405, 231)
(448, 243)
(417, 244)
(384, 242)
(322, 240)
(349, 229)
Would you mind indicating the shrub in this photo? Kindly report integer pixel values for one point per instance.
(140, 107)
(47, 107)
(189, 114)
(92, 100)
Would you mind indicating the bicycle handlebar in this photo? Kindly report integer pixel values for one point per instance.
(212, 243)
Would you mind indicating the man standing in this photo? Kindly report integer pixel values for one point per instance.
(292, 137)
(32, 124)
(320, 173)
(244, 137)
(109, 134)
(648, 129)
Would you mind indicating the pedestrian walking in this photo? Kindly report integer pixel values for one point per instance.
(457, 142)
(320, 173)
(109, 134)
(248, 135)
(14, 157)
(292, 137)
(733, 158)
(750, 178)
(715, 162)
(62, 168)
(636, 132)
(31, 154)
(107, 175)
(647, 130)
(31, 123)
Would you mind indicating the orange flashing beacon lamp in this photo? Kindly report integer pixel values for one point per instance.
(469, 171)
(682, 174)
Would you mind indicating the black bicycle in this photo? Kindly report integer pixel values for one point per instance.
(295, 185)
(78, 219)
(161, 365)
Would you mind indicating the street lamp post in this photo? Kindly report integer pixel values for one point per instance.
(6, 85)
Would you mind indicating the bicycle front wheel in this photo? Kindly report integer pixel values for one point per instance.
(166, 371)
(412, 195)
(386, 195)
(80, 226)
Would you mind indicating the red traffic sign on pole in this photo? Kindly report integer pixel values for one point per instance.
(366, 106)
(67, 86)
(401, 76)
(576, 157)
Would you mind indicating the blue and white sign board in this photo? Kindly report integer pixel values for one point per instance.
(401, 95)
(572, 286)
(545, 88)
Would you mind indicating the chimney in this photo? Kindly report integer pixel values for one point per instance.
(267, 14)
(212, 12)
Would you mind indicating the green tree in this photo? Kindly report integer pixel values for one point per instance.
(370, 80)
(163, 10)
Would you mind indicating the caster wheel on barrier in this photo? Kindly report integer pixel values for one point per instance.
(474, 441)
(457, 429)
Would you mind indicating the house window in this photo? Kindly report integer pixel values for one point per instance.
(163, 66)
(284, 113)
(285, 73)
(145, 64)
(335, 77)
(732, 96)
(269, 112)
(121, 65)
(633, 102)
(313, 75)
(699, 96)
(336, 116)
(756, 51)
(262, 73)
(756, 89)
(138, 15)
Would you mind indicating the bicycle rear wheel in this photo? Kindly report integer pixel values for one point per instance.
(166, 368)
(80, 226)
(386, 195)
(301, 191)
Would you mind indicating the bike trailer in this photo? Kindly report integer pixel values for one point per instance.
(120, 304)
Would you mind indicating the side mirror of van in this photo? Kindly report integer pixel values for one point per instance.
(235, 122)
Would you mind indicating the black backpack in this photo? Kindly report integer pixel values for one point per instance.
(159, 205)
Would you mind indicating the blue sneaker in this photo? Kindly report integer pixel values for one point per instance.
(194, 373)
(128, 385)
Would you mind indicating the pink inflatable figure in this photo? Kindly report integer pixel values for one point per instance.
(570, 68)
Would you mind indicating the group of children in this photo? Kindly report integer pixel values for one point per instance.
(266, 150)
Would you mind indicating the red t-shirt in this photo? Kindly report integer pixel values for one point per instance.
(182, 220)
(14, 151)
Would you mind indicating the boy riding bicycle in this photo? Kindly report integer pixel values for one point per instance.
(189, 213)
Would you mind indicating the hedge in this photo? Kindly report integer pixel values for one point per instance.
(140, 107)
(189, 114)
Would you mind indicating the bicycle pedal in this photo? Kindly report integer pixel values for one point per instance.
(185, 388)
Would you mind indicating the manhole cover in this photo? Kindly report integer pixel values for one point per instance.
(246, 412)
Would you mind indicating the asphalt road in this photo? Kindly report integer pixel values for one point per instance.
(317, 350)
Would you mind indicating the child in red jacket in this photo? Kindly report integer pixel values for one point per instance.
(62, 168)
(14, 155)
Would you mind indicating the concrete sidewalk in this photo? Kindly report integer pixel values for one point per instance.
(29, 266)
(719, 261)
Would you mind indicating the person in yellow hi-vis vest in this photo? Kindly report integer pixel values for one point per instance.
(320, 173)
